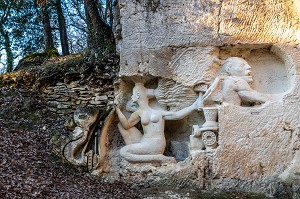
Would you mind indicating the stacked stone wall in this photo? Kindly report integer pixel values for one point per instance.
(64, 99)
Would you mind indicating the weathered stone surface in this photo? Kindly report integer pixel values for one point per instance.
(188, 174)
(172, 46)
(101, 98)
(75, 149)
(79, 89)
(54, 96)
(63, 106)
(63, 99)
(52, 104)
(64, 111)
(150, 35)
(96, 102)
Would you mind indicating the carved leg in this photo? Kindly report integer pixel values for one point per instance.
(130, 136)
(143, 152)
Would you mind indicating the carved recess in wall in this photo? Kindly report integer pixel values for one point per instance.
(270, 69)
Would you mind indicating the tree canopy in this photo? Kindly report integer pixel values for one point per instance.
(70, 26)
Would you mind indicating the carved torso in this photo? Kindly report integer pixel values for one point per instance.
(153, 123)
(230, 91)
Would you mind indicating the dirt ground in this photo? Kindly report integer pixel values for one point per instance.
(28, 169)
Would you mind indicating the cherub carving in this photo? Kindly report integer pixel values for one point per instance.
(234, 82)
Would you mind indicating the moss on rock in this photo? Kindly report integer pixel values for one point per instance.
(35, 59)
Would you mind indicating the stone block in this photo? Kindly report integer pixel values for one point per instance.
(53, 104)
(96, 102)
(63, 99)
(65, 111)
(54, 96)
(101, 98)
(63, 106)
(196, 143)
(79, 89)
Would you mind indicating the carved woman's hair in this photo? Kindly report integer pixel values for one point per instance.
(149, 92)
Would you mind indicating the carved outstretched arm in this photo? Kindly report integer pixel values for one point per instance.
(128, 123)
(253, 96)
(170, 115)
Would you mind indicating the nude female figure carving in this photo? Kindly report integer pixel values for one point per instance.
(149, 146)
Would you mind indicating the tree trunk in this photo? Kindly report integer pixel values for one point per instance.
(47, 28)
(62, 29)
(89, 24)
(103, 37)
(8, 51)
(109, 12)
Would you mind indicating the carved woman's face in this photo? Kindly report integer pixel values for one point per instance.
(138, 92)
(135, 95)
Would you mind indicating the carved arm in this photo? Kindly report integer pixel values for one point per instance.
(171, 115)
(127, 123)
(253, 96)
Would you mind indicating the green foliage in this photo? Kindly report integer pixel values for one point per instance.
(35, 59)
(48, 53)
(20, 30)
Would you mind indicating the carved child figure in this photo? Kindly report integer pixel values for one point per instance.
(235, 86)
(149, 146)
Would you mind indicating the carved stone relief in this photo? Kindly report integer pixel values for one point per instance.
(148, 146)
(228, 81)
(243, 61)
(236, 96)
(234, 84)
(231, 116)
(76, 148)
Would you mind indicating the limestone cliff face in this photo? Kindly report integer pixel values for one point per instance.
(149, 26)
(176, 44)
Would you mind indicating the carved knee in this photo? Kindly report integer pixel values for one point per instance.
(124, 151)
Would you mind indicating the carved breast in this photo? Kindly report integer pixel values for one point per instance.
(154, 118)
(146, 119)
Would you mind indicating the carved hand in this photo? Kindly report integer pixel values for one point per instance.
(119, 112)
(121, 117)
(198, 104)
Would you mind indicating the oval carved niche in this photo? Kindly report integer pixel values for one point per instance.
(269, 70)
